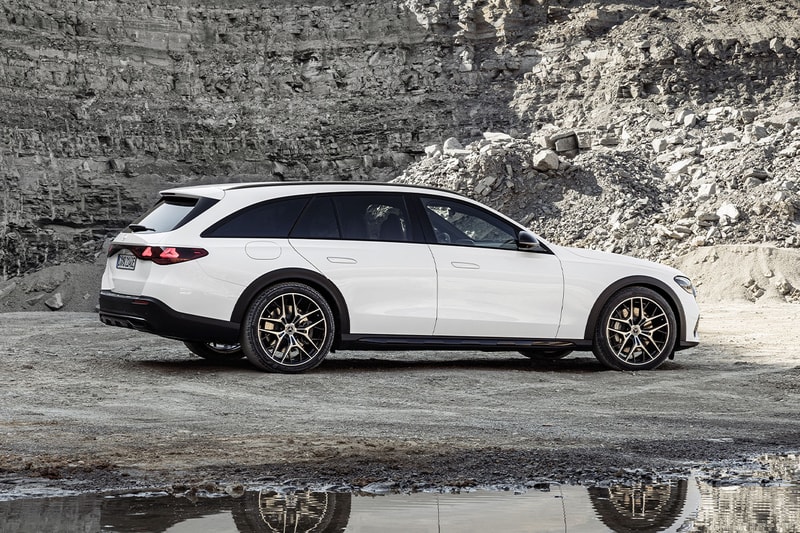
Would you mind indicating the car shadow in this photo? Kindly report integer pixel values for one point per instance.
(575, 364)
(570, 365)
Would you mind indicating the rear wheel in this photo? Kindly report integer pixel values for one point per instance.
(214, 351)
(288, 328)
(636, 330)
(546, 355)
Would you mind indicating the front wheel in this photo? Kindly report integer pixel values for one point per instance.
(214, 351)
(288, 328)
(636, 330)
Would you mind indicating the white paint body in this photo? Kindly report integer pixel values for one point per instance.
(391, 288)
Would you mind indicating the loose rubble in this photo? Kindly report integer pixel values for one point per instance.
(655, 204)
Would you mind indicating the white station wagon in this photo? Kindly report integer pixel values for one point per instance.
(284, 273)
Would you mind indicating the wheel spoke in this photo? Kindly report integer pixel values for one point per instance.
(622, 346)
(310, 341)
(651, 330)
(644, 347)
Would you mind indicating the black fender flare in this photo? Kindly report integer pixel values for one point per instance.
(309, 277)
(632, 281)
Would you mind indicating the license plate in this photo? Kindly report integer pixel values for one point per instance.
(126, 262)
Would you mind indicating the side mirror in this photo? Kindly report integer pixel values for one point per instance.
(528, 242)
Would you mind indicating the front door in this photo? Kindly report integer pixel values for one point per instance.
(486, 286)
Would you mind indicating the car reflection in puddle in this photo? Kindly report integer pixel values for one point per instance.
(680, 505)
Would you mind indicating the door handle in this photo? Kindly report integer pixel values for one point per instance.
(342, 260)
(469, 266)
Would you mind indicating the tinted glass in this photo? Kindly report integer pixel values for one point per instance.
(171, 213)
(273, 219)
(373, 217)
(318, 221)
(463, 224)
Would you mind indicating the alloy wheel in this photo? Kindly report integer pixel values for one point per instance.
(638, 331)
(292, 329)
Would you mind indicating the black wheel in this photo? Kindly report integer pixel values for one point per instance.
(636, 330)
(214, 351)
(546, 355)
(288, 328)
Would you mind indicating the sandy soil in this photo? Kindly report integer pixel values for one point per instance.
(93, 407)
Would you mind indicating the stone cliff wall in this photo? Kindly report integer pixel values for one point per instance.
(105, 102)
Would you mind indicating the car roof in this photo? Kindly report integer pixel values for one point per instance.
(217, 191)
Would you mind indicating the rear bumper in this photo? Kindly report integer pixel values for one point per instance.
(153, 316)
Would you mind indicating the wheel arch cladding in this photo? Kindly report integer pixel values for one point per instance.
(636, 281)
(317, 281)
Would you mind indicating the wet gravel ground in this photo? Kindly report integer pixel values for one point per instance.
(90, 407)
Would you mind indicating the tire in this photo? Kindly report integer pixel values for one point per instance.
(636, 330)
(215, 351)
(299, 510)
(288, 328)
(546, 355)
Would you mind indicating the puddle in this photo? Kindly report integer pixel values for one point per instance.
(683, 505)
(738, 500)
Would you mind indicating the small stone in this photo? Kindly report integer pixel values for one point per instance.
(567, 144)
(706, 190)
(55, 302)
(681, 115)
(454, 148)
(432, 149)
(681, 166)
(707, 216)
(6, 287)
(609, 140)
(783, 287)
(758, 173)
(545, 160)
(659, 145)
(494, 136)
(747, 116)
(453, 144)
(751, 182)
(728, 213)
(655, 125)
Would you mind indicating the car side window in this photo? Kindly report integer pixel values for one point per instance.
(318, 221)
(465, 225)
(373, 217)
(271, 219)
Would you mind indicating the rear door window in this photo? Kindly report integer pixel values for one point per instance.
(272, 219)
(374, 217)
(170, 213)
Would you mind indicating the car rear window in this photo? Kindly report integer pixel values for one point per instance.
(272, 219)
(170, 213)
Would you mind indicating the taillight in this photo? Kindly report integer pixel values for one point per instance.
(161, 255)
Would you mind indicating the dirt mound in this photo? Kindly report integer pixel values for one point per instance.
(752, 273)
(65, 287)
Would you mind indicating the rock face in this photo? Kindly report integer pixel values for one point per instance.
(105, 102)
(653, 118)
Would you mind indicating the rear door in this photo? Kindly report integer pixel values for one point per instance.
(367, 244)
